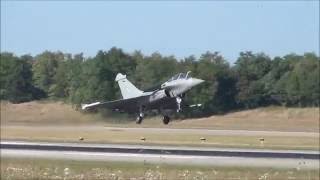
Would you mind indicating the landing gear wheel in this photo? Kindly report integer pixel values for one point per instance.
(166, 119)
(139, 120)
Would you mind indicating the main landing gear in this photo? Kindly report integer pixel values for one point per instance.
(139, 118)
(166, 119)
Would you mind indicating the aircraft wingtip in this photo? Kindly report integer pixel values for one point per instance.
(87, 106)
(84, 106)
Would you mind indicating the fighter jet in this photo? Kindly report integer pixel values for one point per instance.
(167, 96)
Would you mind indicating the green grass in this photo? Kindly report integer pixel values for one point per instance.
(12, 168)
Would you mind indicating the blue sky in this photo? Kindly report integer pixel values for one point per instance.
(172, 28)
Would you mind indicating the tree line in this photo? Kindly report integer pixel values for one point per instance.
(254, 80)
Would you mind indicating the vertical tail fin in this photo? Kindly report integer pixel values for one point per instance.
(128, 90)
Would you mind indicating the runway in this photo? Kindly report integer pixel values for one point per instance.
(163, 154)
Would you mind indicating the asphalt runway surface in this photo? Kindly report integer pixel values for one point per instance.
(163, 154)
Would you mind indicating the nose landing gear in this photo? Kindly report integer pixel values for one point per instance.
(179, 100)
(166, 119)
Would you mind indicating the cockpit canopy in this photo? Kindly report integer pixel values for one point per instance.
(180, 76)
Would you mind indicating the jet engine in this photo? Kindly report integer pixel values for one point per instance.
(170, 93)
(158, 95)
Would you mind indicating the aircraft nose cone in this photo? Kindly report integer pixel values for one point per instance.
(196, 81)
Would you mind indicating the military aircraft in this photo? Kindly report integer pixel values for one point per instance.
(167, 96)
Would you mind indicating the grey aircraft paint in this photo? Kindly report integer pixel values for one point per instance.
(168, 96)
